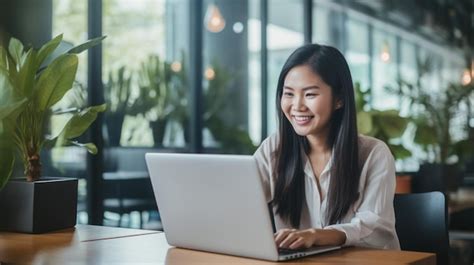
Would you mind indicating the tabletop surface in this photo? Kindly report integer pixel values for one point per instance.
(86, 244)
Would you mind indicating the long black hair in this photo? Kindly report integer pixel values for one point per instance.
(292, 150)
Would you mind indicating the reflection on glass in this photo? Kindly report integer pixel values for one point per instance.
(384, 70)
(357, 53)
(229, 85)
(70, 19)
(142, 74)
(327, 25)
(285, 34)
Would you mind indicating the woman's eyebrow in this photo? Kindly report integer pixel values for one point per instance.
(304, 89)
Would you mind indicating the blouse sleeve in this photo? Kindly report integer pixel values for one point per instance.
(373, 221)
(263, 157)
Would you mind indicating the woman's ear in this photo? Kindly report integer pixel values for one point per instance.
(339, 104)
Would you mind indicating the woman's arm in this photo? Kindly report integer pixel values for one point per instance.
(373, 221)
(294, 239)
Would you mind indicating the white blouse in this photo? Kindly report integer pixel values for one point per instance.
(370, 222)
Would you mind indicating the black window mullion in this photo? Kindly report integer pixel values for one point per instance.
(95, 97)
(196, 61)
(263, 64)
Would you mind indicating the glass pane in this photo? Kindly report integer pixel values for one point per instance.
(357, 53)
(254, 72)
(327, 25)
(384, 70)
(285, 34)
(70, 19)
(144, 74)
(231, 78)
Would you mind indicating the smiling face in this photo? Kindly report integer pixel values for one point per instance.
(307, 102)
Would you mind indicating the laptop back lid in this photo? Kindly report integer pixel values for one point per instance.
(213, 203)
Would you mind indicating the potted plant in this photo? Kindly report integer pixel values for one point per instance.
(29, 88)
(433, 115)
(216, 96)
(154, 97)
(117, 93)
(387, 126)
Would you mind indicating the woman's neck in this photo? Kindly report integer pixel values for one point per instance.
(318, 144)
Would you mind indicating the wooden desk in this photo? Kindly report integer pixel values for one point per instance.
(105, 245)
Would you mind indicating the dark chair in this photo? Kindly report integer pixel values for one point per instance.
(126, 195)
(127, 187)
(421, 223)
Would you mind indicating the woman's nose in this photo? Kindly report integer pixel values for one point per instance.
(298, 103)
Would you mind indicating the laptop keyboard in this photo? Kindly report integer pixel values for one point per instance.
(285, 251)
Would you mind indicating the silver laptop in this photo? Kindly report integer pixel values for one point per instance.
(216, 203)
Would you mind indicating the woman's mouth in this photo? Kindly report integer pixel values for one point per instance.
(302, 119)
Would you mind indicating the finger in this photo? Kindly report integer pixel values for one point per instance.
(290, 238)
(280, 231)
(282, 234)
(298, 243)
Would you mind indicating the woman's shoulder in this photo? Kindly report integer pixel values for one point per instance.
(271, 142)
(368, 145)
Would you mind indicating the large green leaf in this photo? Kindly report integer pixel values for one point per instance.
(392, 125)
(399, 151)
(425, 135)
(15, 49)
(3, 58)
(8, 103)
(86, 45)
(48, 48)
(7, 160)
(79, 123)
(27, 73)
(6, 110)
(91, 148)
(364, 122)
(56, 80)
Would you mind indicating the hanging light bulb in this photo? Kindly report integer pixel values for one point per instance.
(176, 66)
(466, 77)
(214, 21)
(385, 53)
(209, 74)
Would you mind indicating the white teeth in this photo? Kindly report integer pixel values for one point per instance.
(302, 118)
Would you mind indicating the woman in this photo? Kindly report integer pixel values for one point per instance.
(327, 184)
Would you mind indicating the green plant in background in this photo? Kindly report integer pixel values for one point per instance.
(117, 93)
(29, 88)
(435, 113)
(216, 96)
(163, 97)
(179, 96)
(385, 125)
(157, 95)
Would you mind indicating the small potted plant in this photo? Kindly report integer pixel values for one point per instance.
(117, 93)
(434, 116)
(29, 88)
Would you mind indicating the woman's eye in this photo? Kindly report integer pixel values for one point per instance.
(288, 94)
(311, 95)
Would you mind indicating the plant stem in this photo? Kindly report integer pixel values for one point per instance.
(34, 168)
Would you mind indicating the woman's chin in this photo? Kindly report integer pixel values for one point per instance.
(302, 132)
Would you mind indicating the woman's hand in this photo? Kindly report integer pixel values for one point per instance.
(293, 239)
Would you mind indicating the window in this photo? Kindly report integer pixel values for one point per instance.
(384, 69)
(70, 19)
(231, 65)
(357, 53)
(285, 34)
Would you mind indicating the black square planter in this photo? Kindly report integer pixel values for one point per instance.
(37, 207)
